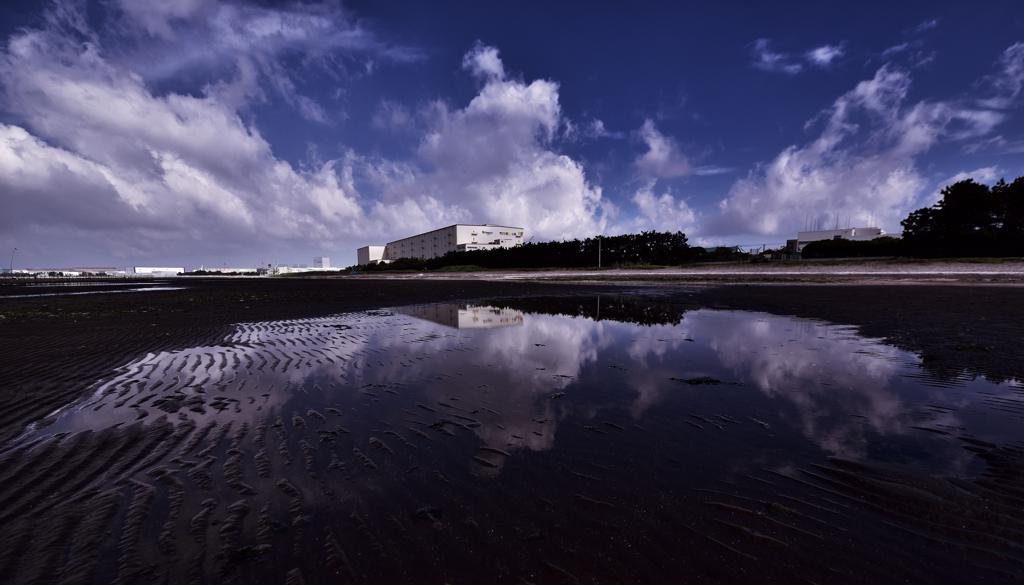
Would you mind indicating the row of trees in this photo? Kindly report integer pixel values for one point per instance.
(971, 219)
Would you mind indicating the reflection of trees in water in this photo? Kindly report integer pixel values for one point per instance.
(599, 308)
(952, 367)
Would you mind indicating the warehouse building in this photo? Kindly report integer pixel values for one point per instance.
(454, 238)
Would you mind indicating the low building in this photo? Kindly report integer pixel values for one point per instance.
(99, 270)
(369, 255)
(286, 269)
(861, 234)
(252, 270)
(152, 271)
(76, 271)
(454, 238)
(320, 264)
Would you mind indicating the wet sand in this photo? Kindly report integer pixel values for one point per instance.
(54, 349)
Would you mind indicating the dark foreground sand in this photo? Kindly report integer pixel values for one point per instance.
(53, 349)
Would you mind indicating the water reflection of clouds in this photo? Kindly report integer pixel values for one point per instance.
(839, 391)
(524, 366)
(655, 354)
(841, 387)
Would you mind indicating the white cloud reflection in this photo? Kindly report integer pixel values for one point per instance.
(838, 391)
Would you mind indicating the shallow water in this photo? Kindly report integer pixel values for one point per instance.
(479, 444)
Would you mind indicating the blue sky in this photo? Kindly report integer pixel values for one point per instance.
(188, 132)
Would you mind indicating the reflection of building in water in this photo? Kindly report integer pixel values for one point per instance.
(466, 316)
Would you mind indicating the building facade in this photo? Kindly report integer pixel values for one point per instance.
(454, 238)
(369, 255)
(321, 262)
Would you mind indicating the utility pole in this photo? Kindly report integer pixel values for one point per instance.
(12, 261)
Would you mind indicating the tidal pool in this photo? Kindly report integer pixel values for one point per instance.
(475, 444)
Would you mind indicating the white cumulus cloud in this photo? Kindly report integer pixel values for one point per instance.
(493, 160)
(149, 174)
(662, 213)
(483, 61)
(92, 153)
(663, 158)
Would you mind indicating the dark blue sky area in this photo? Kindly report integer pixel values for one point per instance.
(196, 131)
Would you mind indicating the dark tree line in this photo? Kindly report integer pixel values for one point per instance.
(884, 246)
(645, 248)
(971, 219)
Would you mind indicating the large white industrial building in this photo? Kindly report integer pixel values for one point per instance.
(856, 234)
(454, 238)
(153, 271)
